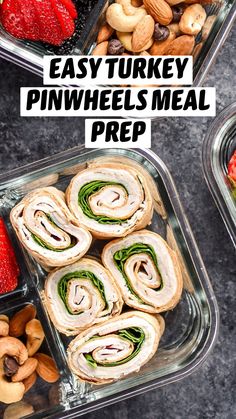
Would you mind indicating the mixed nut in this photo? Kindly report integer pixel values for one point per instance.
(153, 27)
(20, 362)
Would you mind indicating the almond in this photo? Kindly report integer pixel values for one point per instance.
(30, 381)
(35, 336)
(199, 1)
(159, 10)
(136, 3)
(25, 370)
(19, 320)
(197, 50)
(183, 45)
(46, 368)
(101, 49)
(104, 33)
(207, 26)
(142, 33)
(18, 410)
(160, 47)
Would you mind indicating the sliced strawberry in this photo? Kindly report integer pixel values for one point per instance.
(9, 269)
(232, 167)
(27, 12)
(50, 21)
(49, 27)
(64, 18)
(71, 8)
(12, 20)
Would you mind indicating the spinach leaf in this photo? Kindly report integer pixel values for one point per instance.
(47, 246)
(135, 335)
(121, 256)
(90, 360)
(83, 200)
(63, 285)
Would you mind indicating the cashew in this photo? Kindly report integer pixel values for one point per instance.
(9, 392)
(4, 328)
(18, 410)
(118, 20)
(4, 318)
(128, 8)
(35, 336)
(25, 370)
(174, 28)
(207, 26)
(13, 347)
(192, 20)
(126, 39)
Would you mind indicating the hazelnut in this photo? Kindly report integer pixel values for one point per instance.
(161, 33)
(115, 47)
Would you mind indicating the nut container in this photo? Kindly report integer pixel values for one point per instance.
(191, 328)
(218, 147)
(29, 55)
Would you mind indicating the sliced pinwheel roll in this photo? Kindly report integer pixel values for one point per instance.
(146, 270)
(111, 200)
(116, 348)
(48, 230)
(80, 295)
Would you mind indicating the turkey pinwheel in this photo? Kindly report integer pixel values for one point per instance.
(110, 351)
(47, 229)
(111, 200)
(80, 295)
(146, 270)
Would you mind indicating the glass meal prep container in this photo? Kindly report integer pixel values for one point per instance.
(191, 328)
(29, 55)
(218, 147)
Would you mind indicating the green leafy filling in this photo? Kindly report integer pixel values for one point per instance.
(42, 243)
(121, 256)
(63, 286)
(83, 199)
(133, 334)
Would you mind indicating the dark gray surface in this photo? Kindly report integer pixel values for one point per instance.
(209, 392)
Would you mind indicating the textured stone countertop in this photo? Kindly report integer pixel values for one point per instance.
(210, 391)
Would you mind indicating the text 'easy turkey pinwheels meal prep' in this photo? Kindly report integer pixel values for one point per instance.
(109, 299)
(30, 29)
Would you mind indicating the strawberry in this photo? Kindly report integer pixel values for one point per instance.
(9, 270)
(70, 7)
(49, 27)
(50, 21)
(232, 167)
(232, 173)
(64, 18)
